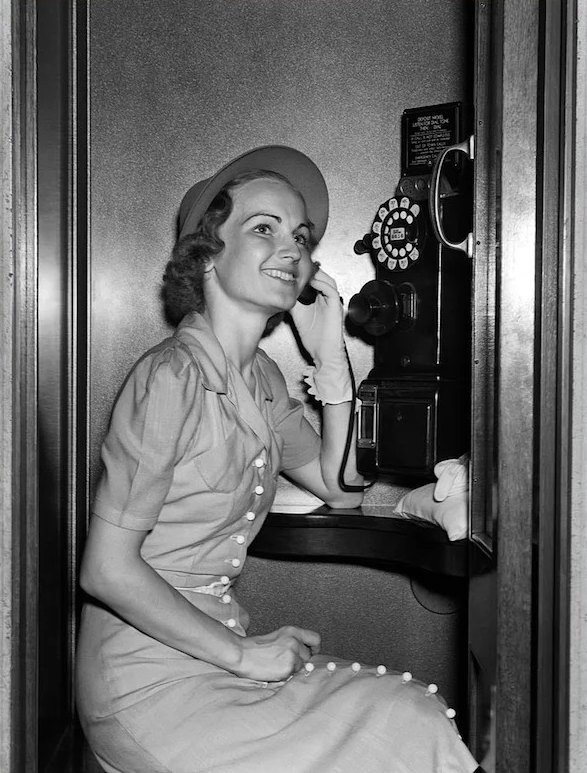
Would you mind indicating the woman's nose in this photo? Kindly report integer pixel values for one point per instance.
(290, 250)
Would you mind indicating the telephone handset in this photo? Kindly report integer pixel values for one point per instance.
(308, 295)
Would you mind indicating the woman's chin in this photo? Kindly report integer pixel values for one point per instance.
(285, 302)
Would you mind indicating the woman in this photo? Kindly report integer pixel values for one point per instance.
(168, 681)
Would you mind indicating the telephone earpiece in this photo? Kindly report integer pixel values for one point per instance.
(308, 295)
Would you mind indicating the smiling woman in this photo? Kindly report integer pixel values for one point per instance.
(167, 678)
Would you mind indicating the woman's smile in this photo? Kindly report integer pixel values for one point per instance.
(276, 273)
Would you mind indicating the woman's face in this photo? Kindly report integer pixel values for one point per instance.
(266, 259)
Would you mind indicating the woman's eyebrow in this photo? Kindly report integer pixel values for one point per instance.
(303, 224)
(262, 214)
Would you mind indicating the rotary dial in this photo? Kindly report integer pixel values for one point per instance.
(396, 233)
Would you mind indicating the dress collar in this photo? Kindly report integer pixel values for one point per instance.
(195, 332)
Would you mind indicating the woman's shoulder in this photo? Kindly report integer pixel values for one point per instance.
(170, 359)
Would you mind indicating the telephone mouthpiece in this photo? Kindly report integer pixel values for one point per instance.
(375, 307)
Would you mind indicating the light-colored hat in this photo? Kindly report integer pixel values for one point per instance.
(301, 171)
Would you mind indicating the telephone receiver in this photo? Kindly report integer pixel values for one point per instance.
(308, 295)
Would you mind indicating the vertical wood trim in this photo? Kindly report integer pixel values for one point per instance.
(78, 334)
(482, 589)
(18, 397)
(483, 370)
(564, 628)
(578, 471)
(516, 414)
(552, 449)
(549, 203)
(7, 262)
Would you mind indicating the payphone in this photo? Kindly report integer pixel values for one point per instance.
(415, 403)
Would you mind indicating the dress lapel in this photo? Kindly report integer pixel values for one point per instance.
(249, 411)
(220, 376)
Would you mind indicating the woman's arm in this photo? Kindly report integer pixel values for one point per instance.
(114, 572)
(321, 475)
(320, 326)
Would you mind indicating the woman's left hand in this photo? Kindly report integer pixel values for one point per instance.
(320, 324)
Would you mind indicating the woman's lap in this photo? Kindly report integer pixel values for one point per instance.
(320, 722)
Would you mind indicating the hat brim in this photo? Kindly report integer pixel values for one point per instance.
(301, 171)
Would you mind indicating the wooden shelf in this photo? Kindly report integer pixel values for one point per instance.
(369, 535)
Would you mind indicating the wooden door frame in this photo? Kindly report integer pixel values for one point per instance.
(23, 133)
(575, 241)
(18, 390)
(534, 166)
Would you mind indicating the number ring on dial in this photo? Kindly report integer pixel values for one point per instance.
(397, 237)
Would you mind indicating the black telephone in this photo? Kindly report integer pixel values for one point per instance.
(415, 402)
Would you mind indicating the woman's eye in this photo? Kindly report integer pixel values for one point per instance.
(263, 228)
(302, 239)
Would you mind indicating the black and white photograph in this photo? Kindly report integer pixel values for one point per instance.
(293, 387)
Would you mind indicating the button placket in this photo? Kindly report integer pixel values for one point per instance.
(259, 463)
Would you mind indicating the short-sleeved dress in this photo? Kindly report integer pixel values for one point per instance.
(193, 457)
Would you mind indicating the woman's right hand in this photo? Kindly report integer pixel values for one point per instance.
(275, 656)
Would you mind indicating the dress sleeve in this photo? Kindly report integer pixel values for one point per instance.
(152, 425)
(301, 443)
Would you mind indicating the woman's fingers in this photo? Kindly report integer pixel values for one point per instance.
(310, 638)
(324, 283)
(279, 654)
(308, 644)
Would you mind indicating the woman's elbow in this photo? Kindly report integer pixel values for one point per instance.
(88, 579)
(95, 578)
(345, 500)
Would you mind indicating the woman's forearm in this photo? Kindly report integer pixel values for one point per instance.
(335, 421)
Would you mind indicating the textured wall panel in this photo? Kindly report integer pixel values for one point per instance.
(181, 86)
(178, 88)
(365, 614)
